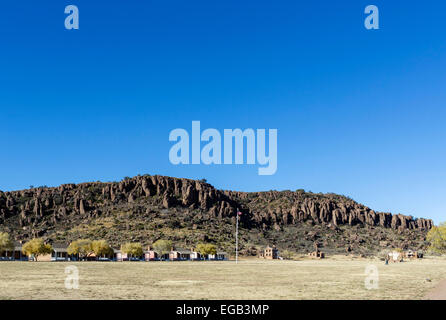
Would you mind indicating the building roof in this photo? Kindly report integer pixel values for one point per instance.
(59, 246)
(182, 251)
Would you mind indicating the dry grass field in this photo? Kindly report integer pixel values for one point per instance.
(334, 278)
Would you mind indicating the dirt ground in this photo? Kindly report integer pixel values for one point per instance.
(333, 278)
(438, 293)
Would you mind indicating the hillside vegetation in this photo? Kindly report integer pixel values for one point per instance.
(147, 208)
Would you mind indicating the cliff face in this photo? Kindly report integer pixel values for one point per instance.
(28, 208)
(35, 212)
(295, 207)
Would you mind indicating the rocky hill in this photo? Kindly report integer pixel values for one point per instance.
(147, 208)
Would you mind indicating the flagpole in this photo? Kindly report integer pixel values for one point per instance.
(236, 239)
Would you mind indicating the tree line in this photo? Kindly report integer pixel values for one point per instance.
(85, 248)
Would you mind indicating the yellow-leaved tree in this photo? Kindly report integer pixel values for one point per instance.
(206, 249)
(36, 247)
(82, 248)
(5, 242)
(101, 248)
(437, 239)
(162, 247)
(132, 249)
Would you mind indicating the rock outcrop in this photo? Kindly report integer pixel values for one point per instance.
(26, 209)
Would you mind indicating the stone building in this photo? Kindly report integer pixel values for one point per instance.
(316, 254)
(270, 253)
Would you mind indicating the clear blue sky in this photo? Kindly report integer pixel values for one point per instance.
(358, 112)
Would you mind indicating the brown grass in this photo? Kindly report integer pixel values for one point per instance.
(334, 278)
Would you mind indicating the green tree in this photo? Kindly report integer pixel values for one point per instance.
(101, 248)
(5, 242)
(437, 239)
(132, 249)
(286, 254)
(162, 247)
(36, 248)
(206, 249)
(81, 247)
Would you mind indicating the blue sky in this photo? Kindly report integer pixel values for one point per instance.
(359, 112)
